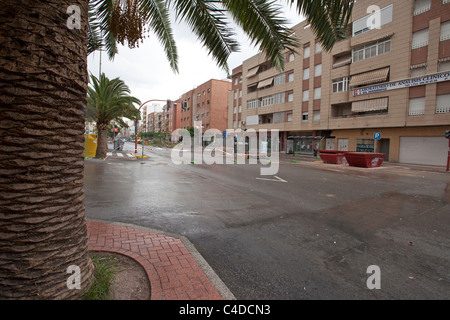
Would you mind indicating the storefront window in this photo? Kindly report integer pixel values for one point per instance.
(365, 145)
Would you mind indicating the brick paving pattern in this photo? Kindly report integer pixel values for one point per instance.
(172, 271)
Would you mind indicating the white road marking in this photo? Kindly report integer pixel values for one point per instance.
(277, 179)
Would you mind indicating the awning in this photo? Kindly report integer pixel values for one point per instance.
(252, 72)
(370, 105)
(420, 65)
(380, 75)
(342, 61)
(265, 83)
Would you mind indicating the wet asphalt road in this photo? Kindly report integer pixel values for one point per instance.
(311, 233)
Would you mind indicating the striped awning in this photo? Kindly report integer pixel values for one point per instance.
(252, 72)
(380, 75)
(265, 83)
(370, 105)
(342, 61)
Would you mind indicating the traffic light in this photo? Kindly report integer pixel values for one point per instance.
(447, 134)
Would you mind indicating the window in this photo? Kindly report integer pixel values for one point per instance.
(374, 20)
(235, 95)
(371, 50)
(445, 31)
(416, 106)
(305, 117)
(317, 93)
(365, 145)
(305, 96)
(444, 66)
(240, 109)
(443, 103)
(291, 57)
(291, 77)
(306, 74)
(421, 6)
(279, 79)
(316, 116)
(318, 48)
(318, 70)
(306, 52)
(420, 39)
(290, 97)
(267, 101)
(234, 110)
(340, 85)
(418, 72)
(289, 117)
(252, 104)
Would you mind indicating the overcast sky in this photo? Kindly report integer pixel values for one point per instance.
(148, 74)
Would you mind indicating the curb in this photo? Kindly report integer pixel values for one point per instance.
(175, 269)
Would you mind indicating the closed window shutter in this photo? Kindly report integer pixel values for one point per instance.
(443, 103)
(445, 31)
(420, 39)
(417, 106)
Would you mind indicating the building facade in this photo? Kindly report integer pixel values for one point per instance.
(391, 78)
(207, 103)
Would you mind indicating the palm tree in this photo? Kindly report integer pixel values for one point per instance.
(43, 96)
(109, 100)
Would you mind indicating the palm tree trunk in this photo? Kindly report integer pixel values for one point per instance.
(43, 86)
(102, 146)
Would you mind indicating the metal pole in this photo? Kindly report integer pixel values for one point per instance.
(135, 136)
(448, 157)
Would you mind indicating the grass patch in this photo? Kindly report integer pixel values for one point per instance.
(104, 273)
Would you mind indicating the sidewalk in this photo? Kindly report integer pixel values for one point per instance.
(290, 158)
(175, 270)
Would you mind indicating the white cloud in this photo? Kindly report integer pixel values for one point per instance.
(148, 74)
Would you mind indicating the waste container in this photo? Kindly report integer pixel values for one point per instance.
(365, 159)
(332, 156)
(118, 144)
(90, 145)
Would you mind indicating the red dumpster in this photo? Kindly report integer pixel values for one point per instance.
(365, 159)
(332, 156)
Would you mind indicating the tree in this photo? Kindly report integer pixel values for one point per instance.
(43, 94)
(109, 100)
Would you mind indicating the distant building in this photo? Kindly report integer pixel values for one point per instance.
(207, 103)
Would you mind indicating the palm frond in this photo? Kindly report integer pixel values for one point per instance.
(156, 14)
(109, 100)
(209, 22)
(329, 19)
(263, 22)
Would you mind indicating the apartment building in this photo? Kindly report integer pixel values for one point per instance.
(207, 103)
(391, 77)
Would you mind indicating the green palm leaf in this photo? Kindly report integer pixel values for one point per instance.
(263, 22)
(329, 19)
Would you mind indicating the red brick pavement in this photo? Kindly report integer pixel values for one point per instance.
(172, 271)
